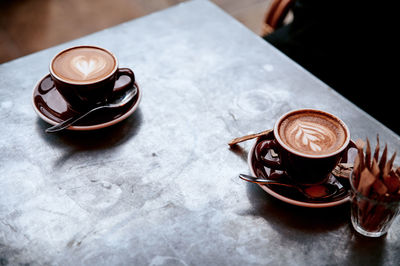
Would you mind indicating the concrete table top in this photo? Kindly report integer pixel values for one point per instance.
(162, 187)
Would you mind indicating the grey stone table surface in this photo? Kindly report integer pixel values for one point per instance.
(161, 188)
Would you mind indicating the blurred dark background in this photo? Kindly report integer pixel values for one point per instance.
(27, 26)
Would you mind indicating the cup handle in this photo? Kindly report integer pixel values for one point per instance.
(263, 148)
(126, 72)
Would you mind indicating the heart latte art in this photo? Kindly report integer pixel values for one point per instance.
(83, 64)
(312, 133)
(87, 67)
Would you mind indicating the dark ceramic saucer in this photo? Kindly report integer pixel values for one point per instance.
(289, 195)
(52, 108)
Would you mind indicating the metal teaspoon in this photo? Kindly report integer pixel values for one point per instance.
(119, 100)
(313, 192)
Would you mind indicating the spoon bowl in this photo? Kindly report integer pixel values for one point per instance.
(330, 189)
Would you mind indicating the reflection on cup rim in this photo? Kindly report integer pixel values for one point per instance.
(83, 83)
(320, 156)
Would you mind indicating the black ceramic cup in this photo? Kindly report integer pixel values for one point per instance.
(71, 68)
(307, 144)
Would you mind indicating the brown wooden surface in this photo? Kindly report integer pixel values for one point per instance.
(27, 26)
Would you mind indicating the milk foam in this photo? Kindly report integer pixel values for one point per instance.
(311, 136)
(87, 67)
(312, 133)
(83, 64)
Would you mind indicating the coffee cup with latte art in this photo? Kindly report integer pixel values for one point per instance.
(85, 75)
(309, 144)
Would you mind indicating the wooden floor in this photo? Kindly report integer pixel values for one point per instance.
(27, 26)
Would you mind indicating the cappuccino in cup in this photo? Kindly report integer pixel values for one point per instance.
(309, 144)
(85, 76)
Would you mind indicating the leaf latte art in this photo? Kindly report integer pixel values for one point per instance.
(311, 136)
(312, 133)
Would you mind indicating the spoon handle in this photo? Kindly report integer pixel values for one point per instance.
(261, 181)
(70, 121)
(247, 137)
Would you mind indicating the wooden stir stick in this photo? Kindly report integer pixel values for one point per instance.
(247, 137)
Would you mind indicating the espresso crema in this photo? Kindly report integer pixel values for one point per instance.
(312, 133)
(83, 64)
